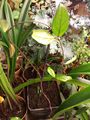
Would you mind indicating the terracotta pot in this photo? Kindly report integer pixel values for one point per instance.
(18, 110)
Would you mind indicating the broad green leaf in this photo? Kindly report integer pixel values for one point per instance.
(63, 78)
(4, 25)
(15, 118)
(76, 99)
(51, 71)
(60, 21)
(81, 69)
(42, 36)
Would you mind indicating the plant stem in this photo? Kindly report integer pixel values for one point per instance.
(41, 83)
(47, 78)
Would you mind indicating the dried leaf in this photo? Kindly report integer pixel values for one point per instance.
(1, 99)
(11, 50)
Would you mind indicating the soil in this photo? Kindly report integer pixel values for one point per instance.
(38, 100)
(16, 111)
(29, 73)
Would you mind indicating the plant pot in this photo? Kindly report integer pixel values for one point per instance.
(39, 107)
(18, 110)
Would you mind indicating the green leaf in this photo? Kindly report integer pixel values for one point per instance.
(22, 19)
(10, 20)
(25, 34)
(76, 99)
(82, 69)
(81, 110)
(5, 85)
(60, 21)
(71, 60)
(16, 14)
(58, 77)
(42, 36)
(24, 10)
(15, 118)
(3, 44)
(51, 71)
(63, 78)
(4, 25)
(1, 9)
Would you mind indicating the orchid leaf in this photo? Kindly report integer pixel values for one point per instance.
(51, 71)
(81, 69)
(42, 36)
(15, 118)
(60, 21)
(74, 100)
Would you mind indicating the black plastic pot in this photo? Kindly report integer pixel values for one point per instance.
(38, 106)
(39, 113)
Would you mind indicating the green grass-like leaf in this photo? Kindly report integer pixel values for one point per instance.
(73, 101)
(10, 20)
(82, 69)
(6, 86)
(21, 20)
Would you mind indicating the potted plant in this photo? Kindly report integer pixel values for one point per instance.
(74, 100)
(44, 37)
(40, 103)
(12, 40)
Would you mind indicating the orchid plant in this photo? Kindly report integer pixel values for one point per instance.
(13, 34)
